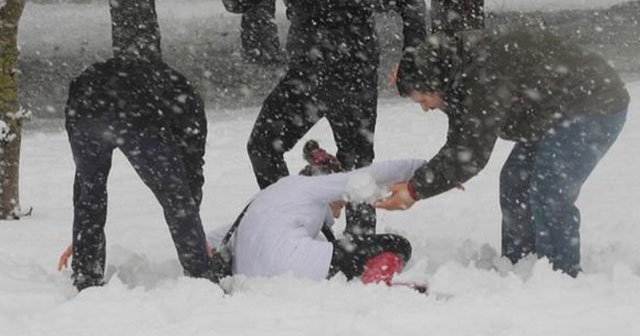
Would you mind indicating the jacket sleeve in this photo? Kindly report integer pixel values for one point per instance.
(333, 187)
(191, 133)
(470, 140)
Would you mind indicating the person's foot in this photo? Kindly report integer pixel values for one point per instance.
(382, 268)
(84, 284)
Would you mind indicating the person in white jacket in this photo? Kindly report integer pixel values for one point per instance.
(279, 230)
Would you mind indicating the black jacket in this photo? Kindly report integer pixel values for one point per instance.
(515, 85)
(147, 95)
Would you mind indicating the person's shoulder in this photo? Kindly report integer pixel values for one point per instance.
(94, 74)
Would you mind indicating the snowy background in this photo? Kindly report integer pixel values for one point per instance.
(456, 239)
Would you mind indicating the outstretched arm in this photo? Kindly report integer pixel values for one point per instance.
(470, 142)
(333, 187)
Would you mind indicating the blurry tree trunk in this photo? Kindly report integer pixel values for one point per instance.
(451, 16)
(10, 116)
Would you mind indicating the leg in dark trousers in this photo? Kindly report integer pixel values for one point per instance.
(259, 34)
(156, 158)
(341, 85)
(518, 239)
(540, 184)
(564, 160)
(286, 116)
(92, 156)
(191, 132)
(352, 115)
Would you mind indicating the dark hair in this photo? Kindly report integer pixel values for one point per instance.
(428, 67)
(320, 161)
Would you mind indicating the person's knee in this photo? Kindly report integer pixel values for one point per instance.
(395, 244)
(356, 157)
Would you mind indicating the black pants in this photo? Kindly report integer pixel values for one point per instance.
(259, 35)
(351, 254)
(342, 89)
(158, 159)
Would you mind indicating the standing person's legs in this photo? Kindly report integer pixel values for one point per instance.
(92, 153)
(353, 98)
(259, 34)
(515, 181)
(191, 135)
(155, 155)
(565, 158)
(286, 116)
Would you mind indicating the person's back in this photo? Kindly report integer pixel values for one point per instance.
(562, 106)
(537, 78)
(133, 90)
(281, 225)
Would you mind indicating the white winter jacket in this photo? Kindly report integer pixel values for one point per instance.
(278, 232)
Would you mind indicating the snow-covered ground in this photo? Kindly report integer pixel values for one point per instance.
(455, 237)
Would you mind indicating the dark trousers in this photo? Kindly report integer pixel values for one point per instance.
(344, 93)
(259, 35)
(351, 254)
(540, 183)
(158, 160)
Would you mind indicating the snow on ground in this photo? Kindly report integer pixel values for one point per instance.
(455, 238)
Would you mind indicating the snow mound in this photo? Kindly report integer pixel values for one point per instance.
(362, 188)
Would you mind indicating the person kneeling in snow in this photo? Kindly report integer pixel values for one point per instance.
(276, 233)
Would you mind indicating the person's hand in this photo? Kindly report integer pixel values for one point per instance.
(210, 250)
(400, 198)
(64, 258)
(393, 77)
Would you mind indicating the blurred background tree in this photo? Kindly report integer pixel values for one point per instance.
(10, 113)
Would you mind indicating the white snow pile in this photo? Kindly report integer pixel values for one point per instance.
(362, 188)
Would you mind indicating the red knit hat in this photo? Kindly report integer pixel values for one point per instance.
(320, 161)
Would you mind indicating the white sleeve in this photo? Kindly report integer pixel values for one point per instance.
(333, 187)
(386, 173)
